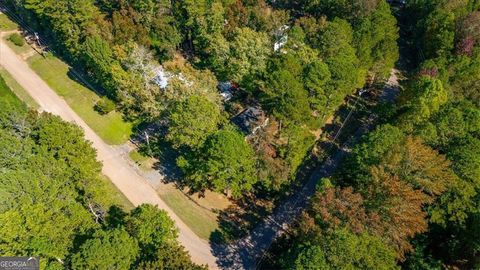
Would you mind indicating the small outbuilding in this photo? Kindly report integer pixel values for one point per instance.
(226, 90)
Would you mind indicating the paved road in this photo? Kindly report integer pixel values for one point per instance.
(132, 185)
(247, 252)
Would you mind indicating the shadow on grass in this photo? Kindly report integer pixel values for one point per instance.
(79, 75)
(149, 138)
(238, 219)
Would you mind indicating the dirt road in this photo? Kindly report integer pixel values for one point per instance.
(132, 185)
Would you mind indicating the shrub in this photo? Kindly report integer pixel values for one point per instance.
(104, 105)
(17, 39)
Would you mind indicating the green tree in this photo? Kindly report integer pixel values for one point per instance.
(453, 121)
(418, 259)
(67, 20)
(49, 184)
(375, 39)
(370, 151)
(342, 249)
(426, 96)
(317, 78)
(462, 199)
(169, 256)
(249, 52)
(99, 60)
(45, 230)
(464, 77)
(299, 141)
(165, 37)
(192, 121)
(438, 33)
(226, 163)
(334, 43)
(151, 227)
(106, 250)
(311, 257)
(287, 99)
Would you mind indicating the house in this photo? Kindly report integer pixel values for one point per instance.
(250, 120)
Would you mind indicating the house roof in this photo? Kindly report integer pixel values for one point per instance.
(250, 119)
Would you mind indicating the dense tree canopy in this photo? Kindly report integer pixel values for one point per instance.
(413, 182)
(107, 249)
(56, 205)
(192, 121)
(226, 163)
(342, 249)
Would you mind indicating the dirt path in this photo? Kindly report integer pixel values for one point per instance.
(132, 185)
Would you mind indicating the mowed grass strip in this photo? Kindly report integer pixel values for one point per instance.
(202, 222)
(8, 95)
(6, 24)
(118, 197)
(18, 89)
(110, 127)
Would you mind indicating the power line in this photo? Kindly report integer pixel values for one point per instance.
(345, 121)
(299, 196)
(24, 25)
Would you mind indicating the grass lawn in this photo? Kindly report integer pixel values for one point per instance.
(6, 24)
(137, 157)
(202, 222)
(17, 49)
(145, 163)
(110, 127)
(18, 90)
(8, 95)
